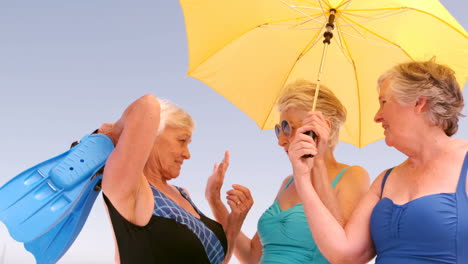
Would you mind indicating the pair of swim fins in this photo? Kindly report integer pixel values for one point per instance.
(46, 206)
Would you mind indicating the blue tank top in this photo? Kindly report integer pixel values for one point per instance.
(428, 230)
(285, 235)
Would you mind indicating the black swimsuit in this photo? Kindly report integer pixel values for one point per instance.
(172, 235)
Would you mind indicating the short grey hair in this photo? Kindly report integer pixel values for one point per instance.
(174, 116)
(436, 82)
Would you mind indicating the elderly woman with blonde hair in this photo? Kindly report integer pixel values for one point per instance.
(417, 211)
(283, 233)
(154, 221)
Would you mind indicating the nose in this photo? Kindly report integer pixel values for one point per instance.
(378, 116)
(283, 140)
(186, 153)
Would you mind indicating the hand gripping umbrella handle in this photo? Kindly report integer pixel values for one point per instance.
(314, 136)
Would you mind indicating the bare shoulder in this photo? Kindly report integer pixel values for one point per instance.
(464, 145)
(185, 191)
(376, 186)
(355, 176)
(283, 185)
(285, 181)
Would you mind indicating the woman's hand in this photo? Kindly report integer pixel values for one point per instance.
(216, 180)
(322, 128)
(111, 130)
(302, 145)
(240, 201)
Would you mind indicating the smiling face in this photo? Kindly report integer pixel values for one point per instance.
(396, 119)
(170, 150)
(294, 117)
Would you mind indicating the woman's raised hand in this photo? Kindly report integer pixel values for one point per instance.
(216, 180)
(300, 146)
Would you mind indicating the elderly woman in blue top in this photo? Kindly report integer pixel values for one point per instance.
(283, 233)
(416, 212)
(154, 221)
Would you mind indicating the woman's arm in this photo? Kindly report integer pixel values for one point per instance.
(352, 244)
(246, 250)
(354, 184)
(133, 135)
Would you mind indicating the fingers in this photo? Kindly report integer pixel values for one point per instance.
(240, 196)
(319, 122)
(227, 155)
(303, 148)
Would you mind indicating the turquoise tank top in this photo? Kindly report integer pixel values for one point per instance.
(285, 235)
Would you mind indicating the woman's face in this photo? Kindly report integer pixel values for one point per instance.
(294, 118)
(396, 119)
(170, 150)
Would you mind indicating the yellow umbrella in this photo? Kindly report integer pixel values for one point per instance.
(248, 50)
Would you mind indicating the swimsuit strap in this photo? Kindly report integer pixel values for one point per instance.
(338, 177)
(461, 188)
(384, 180)
(335, 181)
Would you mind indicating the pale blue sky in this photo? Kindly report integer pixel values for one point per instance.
(68, 66)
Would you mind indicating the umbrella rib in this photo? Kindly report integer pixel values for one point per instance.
(342, 48)
(358, 91)
(353, 28)
(383, 43)
(308, 47)
(385, 39)
(343, 3)
(342, 11)
(378, 18)
(297, 10)
(350, 13)
(308, 2)
(323, 10)
(290, 27)
(327, 3)
(309, 7)
(417, 10)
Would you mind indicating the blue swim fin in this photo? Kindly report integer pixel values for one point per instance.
(39, 198)
(51, 246)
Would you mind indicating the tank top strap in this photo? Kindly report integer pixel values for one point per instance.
(461, 187)
(288, 183)
(285, 187)
(338, 177)
(384, 180)
(185, 195)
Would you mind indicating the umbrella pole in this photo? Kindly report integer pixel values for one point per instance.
(328, 35)
(319, 75)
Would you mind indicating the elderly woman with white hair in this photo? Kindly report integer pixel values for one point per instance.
(417, 211)
(154, 221)
(283, 233)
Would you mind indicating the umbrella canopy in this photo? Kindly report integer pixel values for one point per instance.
(248, 50)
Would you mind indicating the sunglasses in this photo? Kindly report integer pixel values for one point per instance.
(285, 128)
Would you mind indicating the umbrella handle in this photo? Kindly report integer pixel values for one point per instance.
(314, 136)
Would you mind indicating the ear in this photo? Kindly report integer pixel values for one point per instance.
(328, 123)
(421, 105)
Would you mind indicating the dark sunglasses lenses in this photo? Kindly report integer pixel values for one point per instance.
(277, 131)
(285, 128)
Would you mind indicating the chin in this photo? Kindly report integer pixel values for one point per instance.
(389, 142)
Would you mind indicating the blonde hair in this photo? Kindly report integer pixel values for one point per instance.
(174, 116)
(412, 80)
(300, 95)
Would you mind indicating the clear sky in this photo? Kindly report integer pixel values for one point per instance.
(68, 66)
